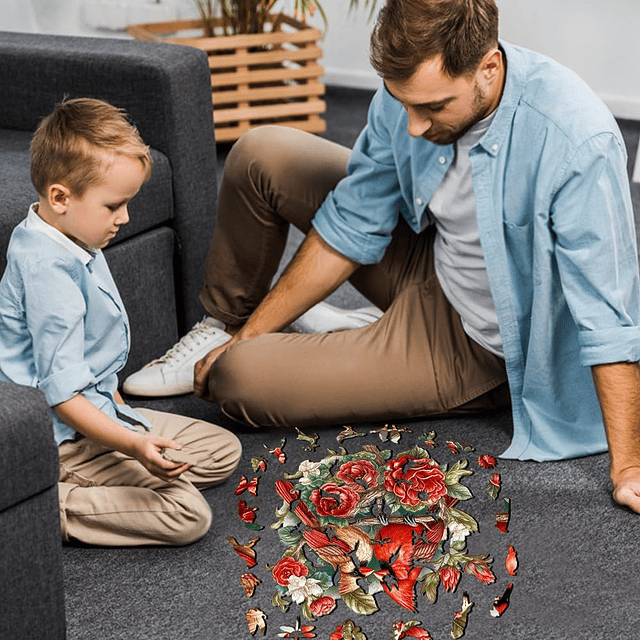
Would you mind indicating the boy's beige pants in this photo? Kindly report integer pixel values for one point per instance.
(107, 498)
(415, 361)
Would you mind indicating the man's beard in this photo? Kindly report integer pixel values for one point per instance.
(479, 108)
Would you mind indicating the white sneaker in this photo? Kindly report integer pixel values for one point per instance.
(172, 374)
(323, 318)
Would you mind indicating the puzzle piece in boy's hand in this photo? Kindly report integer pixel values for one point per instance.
(493, 486)
(349, 432)
(258, 462)
(312, 440)
(245, 551)
(256, 619)
(511, 561)
(459, 447)
(392, 433)
(249, 583)
(278, 452)
(247, 485)
(487, 461)
(348, 630)
(501, 603)
(502, 517)
(459, 623)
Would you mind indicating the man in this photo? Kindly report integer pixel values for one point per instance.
(485, 209)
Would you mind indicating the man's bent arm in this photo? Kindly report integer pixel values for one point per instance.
(618, 389)
(315, 271)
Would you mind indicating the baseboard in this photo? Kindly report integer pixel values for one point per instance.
(622, 106)
(353, 79)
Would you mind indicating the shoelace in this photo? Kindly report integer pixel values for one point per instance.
(187, 343)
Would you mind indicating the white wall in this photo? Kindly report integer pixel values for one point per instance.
(599, 39)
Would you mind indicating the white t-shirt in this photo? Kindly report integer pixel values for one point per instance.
(459, 261)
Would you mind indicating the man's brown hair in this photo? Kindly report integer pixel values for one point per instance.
(409, 32)
(70, 144)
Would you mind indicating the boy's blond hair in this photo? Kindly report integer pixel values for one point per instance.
(70, 144)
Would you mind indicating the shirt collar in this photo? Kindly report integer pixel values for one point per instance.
(513, 88)
(34, 221)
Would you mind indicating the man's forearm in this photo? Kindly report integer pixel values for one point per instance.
(315, 271)
(618, 389)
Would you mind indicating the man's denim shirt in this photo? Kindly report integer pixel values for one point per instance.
(63, 327)
(557, 231)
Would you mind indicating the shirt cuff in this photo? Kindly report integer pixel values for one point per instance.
(66, 383)
(609, 345)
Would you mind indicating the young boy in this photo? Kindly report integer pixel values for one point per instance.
(127, 477)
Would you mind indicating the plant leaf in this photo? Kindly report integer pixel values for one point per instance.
(430, 586)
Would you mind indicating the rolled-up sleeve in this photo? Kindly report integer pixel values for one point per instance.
(596, 252)
(358, 217)
(55, 311)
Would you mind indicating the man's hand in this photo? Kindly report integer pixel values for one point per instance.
(201, 371)
(626, 489)
(147, 450)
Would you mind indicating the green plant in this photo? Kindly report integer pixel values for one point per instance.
(250, 16)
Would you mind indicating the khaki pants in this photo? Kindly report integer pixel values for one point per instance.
(415, 361)
(107, 498)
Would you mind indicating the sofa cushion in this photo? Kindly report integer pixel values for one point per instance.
(29, 455)
(150, 208)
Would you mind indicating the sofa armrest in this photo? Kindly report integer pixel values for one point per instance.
(166, 90)
(28, 455)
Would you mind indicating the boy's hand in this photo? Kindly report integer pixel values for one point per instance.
(148, 451)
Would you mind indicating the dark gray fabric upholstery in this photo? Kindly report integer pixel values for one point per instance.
(167, 93)
(31, 589)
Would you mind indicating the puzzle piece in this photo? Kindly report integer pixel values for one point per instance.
(278, 451)
(249, 583)
(459, 624)
(502, 517)
(501, 603)
(493, 486)
(245, 551)
(511, 561)
(256, 619)
(247, 485)
(348, 432)
(312, 440)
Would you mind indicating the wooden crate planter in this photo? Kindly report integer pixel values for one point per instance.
(266, 78)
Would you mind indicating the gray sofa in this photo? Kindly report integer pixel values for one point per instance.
(157, 263)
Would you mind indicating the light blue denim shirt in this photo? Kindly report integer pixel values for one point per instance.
(63, 327)
(557, 232)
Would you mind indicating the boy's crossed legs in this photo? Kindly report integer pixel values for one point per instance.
(107, 498)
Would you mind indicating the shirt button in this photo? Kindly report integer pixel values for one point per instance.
(419, 201)
(442, 159)
(495, 147)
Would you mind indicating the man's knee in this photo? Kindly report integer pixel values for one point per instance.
(241, 384)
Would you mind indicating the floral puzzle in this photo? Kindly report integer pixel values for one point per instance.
(371, 526)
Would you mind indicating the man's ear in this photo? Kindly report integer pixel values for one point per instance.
(491, 65)
(58, 198)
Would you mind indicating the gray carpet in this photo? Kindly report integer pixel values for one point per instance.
(578, 552)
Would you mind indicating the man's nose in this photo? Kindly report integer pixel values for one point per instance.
(417, 126)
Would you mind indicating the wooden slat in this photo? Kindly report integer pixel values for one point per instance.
(284, 92)
(228, 134)
(252, 40)
(288, 83)
(266, 75)
(222, 61)
(261, 112)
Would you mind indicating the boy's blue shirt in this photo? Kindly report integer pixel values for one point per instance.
(63, 326)
(557, 231)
